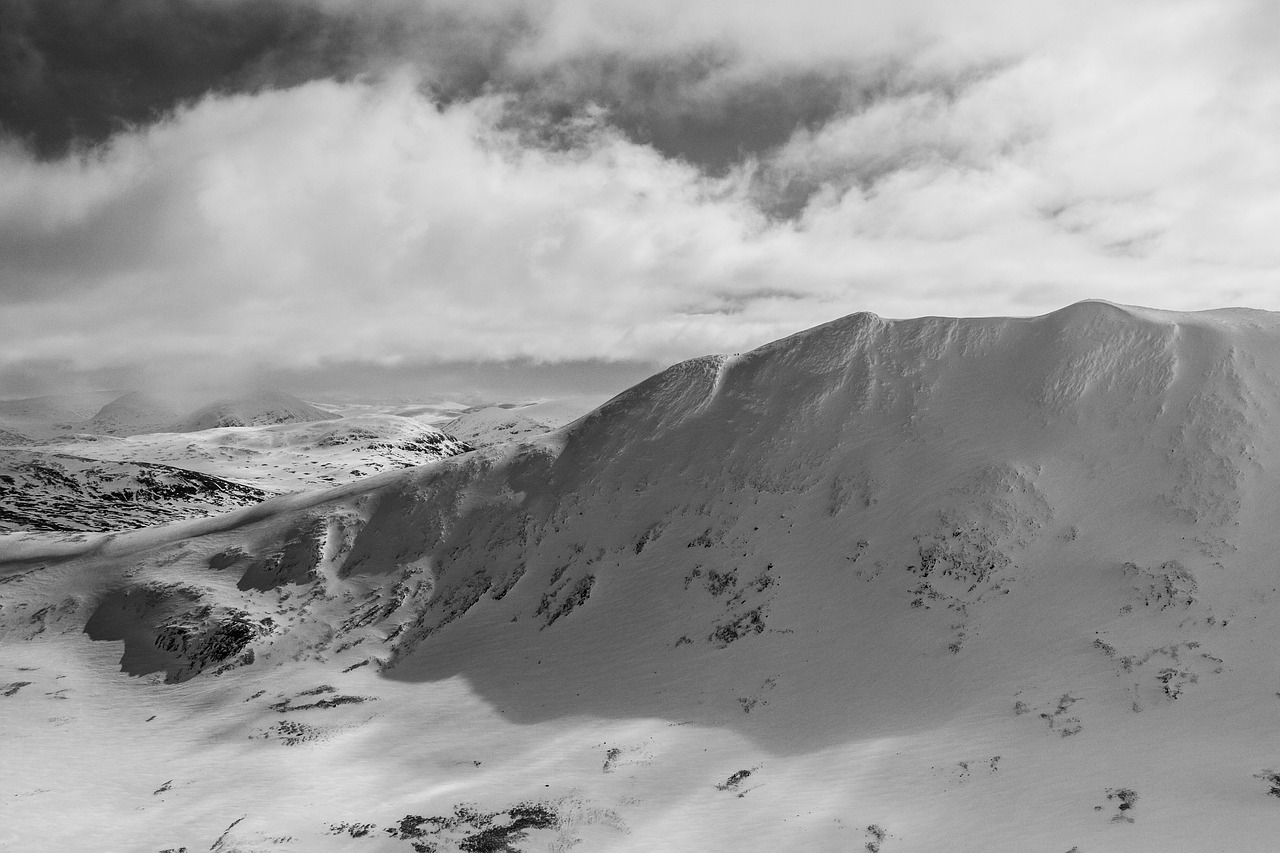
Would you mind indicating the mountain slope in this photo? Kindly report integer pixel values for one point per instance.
(999, 584)
(285, 457)
(493, 425)
(59, 492)
(9, 438)
(52, 414)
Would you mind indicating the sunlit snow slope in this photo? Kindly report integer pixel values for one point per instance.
(284, 457)
(961, 585)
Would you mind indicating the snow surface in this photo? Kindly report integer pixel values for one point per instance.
(285, 457)
(57, 491)
(490, 425)
(962, 585)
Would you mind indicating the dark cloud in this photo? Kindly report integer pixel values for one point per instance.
(695, 105)
(74, 72)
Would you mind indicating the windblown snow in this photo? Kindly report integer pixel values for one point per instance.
(963, 585)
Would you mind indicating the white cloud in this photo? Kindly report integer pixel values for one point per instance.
(1129, 155)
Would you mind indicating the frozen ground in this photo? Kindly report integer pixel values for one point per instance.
(962, 585)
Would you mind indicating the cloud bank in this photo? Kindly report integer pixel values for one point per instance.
(219, 186)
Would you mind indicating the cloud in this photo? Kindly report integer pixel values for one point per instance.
(352, 221)
(645, 183)
(75, 72)
(701, 81)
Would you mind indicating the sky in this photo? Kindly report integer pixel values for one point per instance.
(362, 195)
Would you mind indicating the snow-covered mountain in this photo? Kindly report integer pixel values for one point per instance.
(132, 414)
(8, 438)
(971, 585)
(284, 457)
(488, 425)
(56, 491)
(38, 417)
(258, 409)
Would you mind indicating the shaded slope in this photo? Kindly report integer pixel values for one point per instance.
(867, 492)
(955, 450)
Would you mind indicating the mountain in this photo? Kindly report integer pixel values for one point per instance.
(935, 584)
(131, 414)
(257, 409)
(481, 426)
(9, 438)
(489, 425)
(58, 492)
(52, 414)
(284, 457)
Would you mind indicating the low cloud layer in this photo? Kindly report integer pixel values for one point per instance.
(312, 185)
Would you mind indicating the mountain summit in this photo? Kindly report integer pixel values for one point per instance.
(977, 584)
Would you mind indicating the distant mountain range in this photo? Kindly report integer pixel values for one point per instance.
(140, 412)
(135, 463)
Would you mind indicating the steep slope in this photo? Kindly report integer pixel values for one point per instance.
(999, 584)
(259, 409)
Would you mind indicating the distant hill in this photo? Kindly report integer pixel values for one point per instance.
(482, 427)
(135, 413)
(13, 439)
(56, 492)
(57, 407)
(55, 414)
(259, 409)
